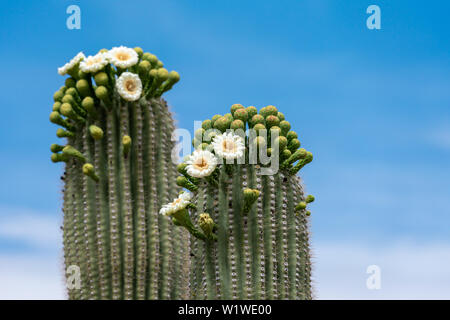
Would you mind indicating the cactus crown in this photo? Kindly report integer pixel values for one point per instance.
(94, 82)
(242, 137)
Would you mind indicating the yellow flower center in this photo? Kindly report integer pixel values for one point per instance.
(130, 85)
(201, 164)
(229, 146)
(123, 56)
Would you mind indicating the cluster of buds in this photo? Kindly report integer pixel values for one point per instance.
(94, 83)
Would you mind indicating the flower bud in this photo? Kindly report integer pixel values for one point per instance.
(236, 106)
(182, 181)
(58, 95)
(272, 121)
(281, 142)
(88, 104)
(72, 152)
(59, 157)
(70, 82)
(96, 132)
(237, 124)
(257, 119)
(61, 133)
(56, 148)
(214, 118)
(251, 111)
(240, 114)
(280, 116)
(102, 93)
(139, 51)
(310, 198)
(300, 206)
(101, 79)
(258, 127)
(222, 124)
(83, 87)
(56, 106)
(285, 127)
(207, 124)
(294, 144)
(88, 169)
(206, 223)
(291, 135)
(126, 144)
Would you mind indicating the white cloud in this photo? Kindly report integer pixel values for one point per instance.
(33, 228)
(31, 277)
(408, 271)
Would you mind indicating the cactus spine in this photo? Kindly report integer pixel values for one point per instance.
(118, 173)
(251, 240)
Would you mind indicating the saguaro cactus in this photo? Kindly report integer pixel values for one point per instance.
(118, 172)
(246, 210)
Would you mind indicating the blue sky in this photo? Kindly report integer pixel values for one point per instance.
(372, 105)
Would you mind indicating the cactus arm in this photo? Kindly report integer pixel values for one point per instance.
(279, 238)
(126, 206)
(101, 200)
(268, 265)
(113, 178)
(89, 214)
(162, 189)
(291, 241)
(152, 205)
(237, 206)
(254, 240)
(223, 234)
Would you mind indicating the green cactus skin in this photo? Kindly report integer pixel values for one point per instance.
(264, 254)
(113, 190)
(260, 246)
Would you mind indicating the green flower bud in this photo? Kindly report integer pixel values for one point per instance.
(205, 146)
(260, 142)
(198, 134)
(58, 95)
(207, 124)
(126, 144)
(275, 130)
(270, 111)
(272, 121)
(139, 51)
(72, 152)
(101, 79)
(281, 142)
(88, 169)
(206, 223)
(56, 106)
(83, 75)
(258, 127)
(269, 152)
(251, 111)
(162, 74)
(257, 119)
(214, 118)
(310, 198)
(235, 107)
(56, 148)
(67, 111)
(308, 213)
(159, 64)
(280, 116)
(300, 206)
(72, 92)
(56, 118)
(291, 135)
(88, 104)
(61, 133)
(181, 168)
(144, 67)
(237, 124)
(103, 50)
(68, 99)
(285, 154)
(59, 157)
(102, 93)
(285, 127)
(250, 197)
(182, 181)
(222, 124)
(294, 144)
(96, 132)
(70, 82)
(174, 77)
(240, 114)
(152, 73)
(83, 87)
